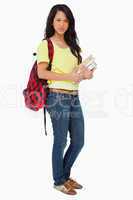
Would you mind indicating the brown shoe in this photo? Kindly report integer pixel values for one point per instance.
(65, 188)
(74, 184)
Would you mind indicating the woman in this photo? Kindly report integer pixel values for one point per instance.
(63, 102)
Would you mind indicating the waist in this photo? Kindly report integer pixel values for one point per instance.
(66, 85)
(73, 92)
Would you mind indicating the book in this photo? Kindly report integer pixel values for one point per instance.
(89, 62)
(90, 59)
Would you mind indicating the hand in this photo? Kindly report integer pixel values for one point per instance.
(75, 76)
(88, 74)
(85, 72)
(80, 69)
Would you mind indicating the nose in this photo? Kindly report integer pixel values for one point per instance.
(62, 23)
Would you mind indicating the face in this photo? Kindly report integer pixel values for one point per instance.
(60, 23)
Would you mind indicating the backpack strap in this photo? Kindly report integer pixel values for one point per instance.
(50, 53)
(50, 50)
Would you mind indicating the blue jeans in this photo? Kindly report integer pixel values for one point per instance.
(66, 116)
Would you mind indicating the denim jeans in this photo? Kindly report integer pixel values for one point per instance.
(66, 116)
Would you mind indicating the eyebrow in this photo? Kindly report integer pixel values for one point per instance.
(62, 19)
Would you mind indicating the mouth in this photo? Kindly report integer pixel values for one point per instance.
(61, 29)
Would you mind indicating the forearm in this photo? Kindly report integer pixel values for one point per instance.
(49, 75)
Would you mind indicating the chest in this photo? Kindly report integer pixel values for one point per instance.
(63, 60)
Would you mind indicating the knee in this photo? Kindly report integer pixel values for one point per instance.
(60, 143)
(78, 144)
(81, 144)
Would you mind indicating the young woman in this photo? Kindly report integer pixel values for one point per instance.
(63, 102)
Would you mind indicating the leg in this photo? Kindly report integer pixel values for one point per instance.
(59, 111)
(76, 129)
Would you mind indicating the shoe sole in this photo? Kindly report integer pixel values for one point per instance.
(63, 191)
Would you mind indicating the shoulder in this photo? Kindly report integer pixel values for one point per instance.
(42, 45)
(42, 52)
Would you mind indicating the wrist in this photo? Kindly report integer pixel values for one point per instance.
(67, 76)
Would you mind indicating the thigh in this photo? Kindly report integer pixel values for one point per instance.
(76, 123)
(58, 107)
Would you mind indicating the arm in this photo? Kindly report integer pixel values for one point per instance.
(43, 73)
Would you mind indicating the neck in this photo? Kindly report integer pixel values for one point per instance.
(58, 36)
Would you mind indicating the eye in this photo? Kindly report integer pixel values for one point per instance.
(58, 20)
(66, 21)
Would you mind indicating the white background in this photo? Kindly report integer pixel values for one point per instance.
(105, 165)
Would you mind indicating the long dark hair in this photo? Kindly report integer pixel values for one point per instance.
(70, 35)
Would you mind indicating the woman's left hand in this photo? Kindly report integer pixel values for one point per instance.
(84, 72)
(88, 74)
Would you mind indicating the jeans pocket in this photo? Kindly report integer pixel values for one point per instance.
(51, 100)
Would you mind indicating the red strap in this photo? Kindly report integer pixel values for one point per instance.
(51, 53)
(50, 50)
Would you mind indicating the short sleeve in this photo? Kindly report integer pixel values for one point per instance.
(42, 52)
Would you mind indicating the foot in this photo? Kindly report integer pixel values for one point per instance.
(66, 188)
(74, 184)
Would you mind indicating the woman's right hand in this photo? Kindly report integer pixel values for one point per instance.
(75, 76)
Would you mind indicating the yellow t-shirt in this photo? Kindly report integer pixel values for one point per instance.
(63, 62)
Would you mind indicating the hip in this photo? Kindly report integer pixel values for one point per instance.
(63, 91)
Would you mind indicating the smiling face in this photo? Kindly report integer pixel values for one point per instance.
(60, 23)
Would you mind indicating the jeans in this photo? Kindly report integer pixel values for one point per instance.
(66, 116)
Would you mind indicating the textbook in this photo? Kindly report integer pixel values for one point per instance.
(89, 62)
